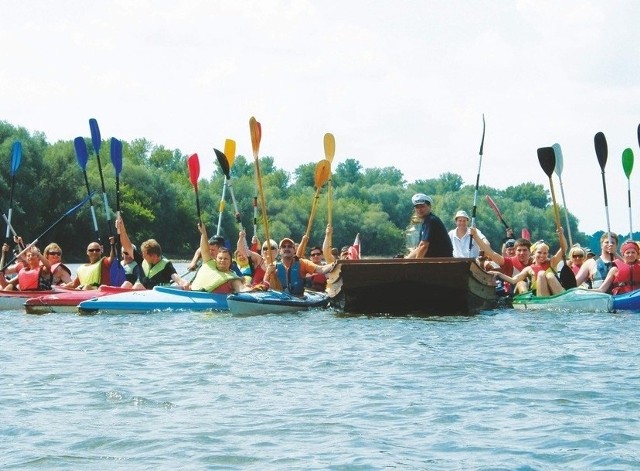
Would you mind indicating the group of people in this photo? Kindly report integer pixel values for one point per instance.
(521, 266)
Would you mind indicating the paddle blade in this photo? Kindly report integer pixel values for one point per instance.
(95, 135)
(230, 151)
(627, 161)
(557, 150)
(525, 234)
(81, 152)
(224, 163)
(483, 129)
(194, 170)
(256, 135)
(494, 206)
(16, 157)
(602, 151)
(329, 147)
(117, 275)
(567, 277)
(116, 155)
(547, 160)
(323, 171)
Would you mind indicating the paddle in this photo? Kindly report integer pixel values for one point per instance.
(194, 173)
(547, 159)
(600, 143)
(97, 142)
(82, 156)
(475, 194)
(559, 164)
(52, 226)
(627, 166)
(16, 158)
(226, 161)
(329, 153)
(116, 271)
(321, 175)
(494, 206)
(256, 136)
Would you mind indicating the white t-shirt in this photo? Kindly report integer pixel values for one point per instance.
(461, 245)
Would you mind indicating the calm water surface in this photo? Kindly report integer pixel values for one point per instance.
(319, 390)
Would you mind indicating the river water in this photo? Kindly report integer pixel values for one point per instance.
(320, 390)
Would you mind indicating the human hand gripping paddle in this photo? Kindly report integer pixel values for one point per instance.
(329, 154)
(16, 158)
(602, 151)
(256, 136)
(475, 194)
(547, 159)
(321, 175)
(557, 150)
(226, 159)
(116, 272)
(194, 173)
(82, 156)
(627, 166)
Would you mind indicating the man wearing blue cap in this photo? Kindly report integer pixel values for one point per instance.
(434, 239)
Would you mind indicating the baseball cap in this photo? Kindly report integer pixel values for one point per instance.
(421, 198)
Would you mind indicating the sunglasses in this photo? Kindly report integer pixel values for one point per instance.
(272, 248)
(93, 250)
(125, 252)
(54, 253)
(577, 256)
(317, 254)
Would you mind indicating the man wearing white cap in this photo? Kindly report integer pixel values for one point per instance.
(434, 240)
(460, 237)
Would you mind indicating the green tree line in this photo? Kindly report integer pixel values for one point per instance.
(157, 199)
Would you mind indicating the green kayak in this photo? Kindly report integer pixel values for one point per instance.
(572, 300)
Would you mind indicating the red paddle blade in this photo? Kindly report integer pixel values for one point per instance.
(494, 206)
(526, 234)
(194, 169)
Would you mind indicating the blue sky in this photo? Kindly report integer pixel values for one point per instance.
(400, 84)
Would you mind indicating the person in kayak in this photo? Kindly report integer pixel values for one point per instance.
(132, 269)
(60, 273)
(96, 271)
(34, 276)
(258, 261)
(214, 243)
(594, 270)
(434, 239)
(624, 275)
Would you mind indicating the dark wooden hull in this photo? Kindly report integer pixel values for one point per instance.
(434, 286)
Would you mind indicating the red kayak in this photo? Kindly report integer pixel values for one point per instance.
(67, 300)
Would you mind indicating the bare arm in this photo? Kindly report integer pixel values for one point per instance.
(606, 284)
(124, 237)
(326, 245)
(420, 250)
(514, 279)
(484, 245)
(204, 243)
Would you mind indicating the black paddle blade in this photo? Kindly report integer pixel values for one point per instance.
(567, 278)
(224, 163)
(602, 151)
(547, 159)
(638, 134)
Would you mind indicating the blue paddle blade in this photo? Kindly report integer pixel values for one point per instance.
(116, 155)
(16, 157)
(117, 276)
(95, 135)
(81, 152)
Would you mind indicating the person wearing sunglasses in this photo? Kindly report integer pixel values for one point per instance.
(316, 281)
(59, 271)
(132, 268)
(96, 271)
(35, 275)
(257, 261)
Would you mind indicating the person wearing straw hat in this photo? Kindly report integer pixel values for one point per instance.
(461, 237)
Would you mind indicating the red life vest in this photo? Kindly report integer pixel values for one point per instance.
(627, 279)
(29, 279)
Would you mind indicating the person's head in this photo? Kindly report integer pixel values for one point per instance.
(53, 252)
(462, 219)
(151, 251)
(240, 258)
(344, 253)
(269, 247)
(523, 250)
(609, 242)
(126, 256)
(33, 257)
(421, 204)
(510, 248)
(94, 252)
(541, 252)
(577, 255)
(223, 259)
(287, 248)
(589, 253)
(629, 251)
(315, 254)
(215, 244)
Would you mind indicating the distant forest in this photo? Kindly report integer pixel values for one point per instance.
(157, 199)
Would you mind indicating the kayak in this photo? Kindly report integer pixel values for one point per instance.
(67, 300)
(274, 302)
(14, 300)
(160, 298)
(572, 300)
(627, 301)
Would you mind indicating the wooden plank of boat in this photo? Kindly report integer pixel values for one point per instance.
(66, 301)
(572, 300)
(274, 302)
(627, 301)
(160, 298)
(14, 300)
(440, 286)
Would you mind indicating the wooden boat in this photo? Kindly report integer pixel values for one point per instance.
(572, 300)
(14, 300)
(274, 302)
(67, 301)
(437, 286)
(627, 301)
(160, 298)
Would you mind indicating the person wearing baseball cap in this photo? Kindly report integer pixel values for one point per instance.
(434, 240)
(463, 245)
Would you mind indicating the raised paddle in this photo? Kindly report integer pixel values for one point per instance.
(602, 151)
(117, 272)
(475, 194)
(329, 153)
(82, 156)
(559, 164)
(97, 142)
(225, 164)
(321, 175)
(547, 159)
(256, 136)
(194, 174)
(627, 166)
(496, 210)
(16, 158)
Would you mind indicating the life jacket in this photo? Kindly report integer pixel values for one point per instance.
(56, 280)
(151, 271)
(29, 279)
(209, 278)
(317, 282)
(602, 268)
(91, 274)
(291, 280)
(131, 271)
(627, 279)
(545, 266)
(258, 276)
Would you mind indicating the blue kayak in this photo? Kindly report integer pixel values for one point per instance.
(627, 301)
(160, 298)
(275, 302)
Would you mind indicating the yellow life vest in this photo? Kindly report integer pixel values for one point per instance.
(209, 277)
(90, 274)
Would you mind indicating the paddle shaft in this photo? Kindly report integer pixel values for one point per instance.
(329, 153)
(475, 193)
(566, 212)
(221, 206)
(95, 139)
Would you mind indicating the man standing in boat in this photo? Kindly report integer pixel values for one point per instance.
(434, 239)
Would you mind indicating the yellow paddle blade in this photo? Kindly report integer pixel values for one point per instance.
(323, 171)
(329, 147)
(256, 135)
(230, 151)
